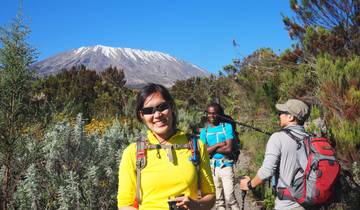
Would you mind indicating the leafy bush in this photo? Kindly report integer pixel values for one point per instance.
(254, 143)
(73, 170)
(297, 82)
(339, 92)
(190, 121)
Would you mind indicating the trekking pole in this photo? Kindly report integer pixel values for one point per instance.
(243, 195)
(243, 124)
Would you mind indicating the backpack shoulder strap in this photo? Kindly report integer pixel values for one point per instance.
(195, 157)
(206, 134)
(141, 146)
(194, 147)
(223, 127)
(292, 136)
(300, 143)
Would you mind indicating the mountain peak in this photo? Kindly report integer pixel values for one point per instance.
(128, 52)
(107, 51)
(140, 66)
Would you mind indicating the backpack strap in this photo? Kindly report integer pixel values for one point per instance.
(223, 127)
(141, 146)
(195, 157)
(206, 134)
(194, 147)
(298, 140)
(230, 157)
(286, 193)
(292, 136)
(167, 146)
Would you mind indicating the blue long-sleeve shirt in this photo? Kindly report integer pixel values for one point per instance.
(217, 134)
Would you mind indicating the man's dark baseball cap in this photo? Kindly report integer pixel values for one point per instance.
(295, 107)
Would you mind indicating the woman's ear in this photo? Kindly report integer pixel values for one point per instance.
(141, 115)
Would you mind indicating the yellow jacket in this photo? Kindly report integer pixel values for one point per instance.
(161, 179)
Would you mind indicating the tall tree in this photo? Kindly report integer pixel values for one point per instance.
(331, 26)
(16, 56)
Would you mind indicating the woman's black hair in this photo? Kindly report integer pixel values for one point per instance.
(149, 89)
(218, 108)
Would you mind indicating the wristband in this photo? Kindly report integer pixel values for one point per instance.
(249, 185)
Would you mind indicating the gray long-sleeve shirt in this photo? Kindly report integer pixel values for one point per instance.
(282, 149)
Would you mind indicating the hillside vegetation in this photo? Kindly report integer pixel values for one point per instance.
(61, 137)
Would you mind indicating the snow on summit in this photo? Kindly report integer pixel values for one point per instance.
(127, 52)
(140, 66)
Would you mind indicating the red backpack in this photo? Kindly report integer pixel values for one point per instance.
(316, 175)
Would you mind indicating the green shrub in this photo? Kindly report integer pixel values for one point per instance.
(73, 170)
(297, 83)
(254, 143)
(190, 121)
(339, 93)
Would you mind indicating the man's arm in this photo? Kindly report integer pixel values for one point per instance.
(254, 182)
(229, 136)
(215, 147)
(226, 148)
(271, 160)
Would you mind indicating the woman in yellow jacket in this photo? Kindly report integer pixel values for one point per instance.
(163, 177)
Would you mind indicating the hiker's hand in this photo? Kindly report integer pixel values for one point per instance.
(221, 144)
(185, 202)
(243, 183)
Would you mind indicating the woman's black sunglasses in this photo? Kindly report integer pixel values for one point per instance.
(151, 110)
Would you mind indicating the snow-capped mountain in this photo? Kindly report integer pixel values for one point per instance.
(139, 66)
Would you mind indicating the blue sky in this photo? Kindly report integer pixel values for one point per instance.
(197, 31)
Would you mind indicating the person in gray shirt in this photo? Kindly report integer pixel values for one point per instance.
(280, 154)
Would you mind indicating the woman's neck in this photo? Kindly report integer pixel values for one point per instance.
(164, 138)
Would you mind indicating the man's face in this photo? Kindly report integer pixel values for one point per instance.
(211, 115)
(284, 119)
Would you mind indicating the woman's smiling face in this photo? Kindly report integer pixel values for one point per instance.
(160, 121)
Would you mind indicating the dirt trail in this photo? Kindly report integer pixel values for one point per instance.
(250, 203)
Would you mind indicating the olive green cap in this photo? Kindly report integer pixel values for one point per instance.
(295, 107)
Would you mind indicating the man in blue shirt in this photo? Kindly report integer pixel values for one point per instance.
(219, 138)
